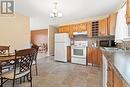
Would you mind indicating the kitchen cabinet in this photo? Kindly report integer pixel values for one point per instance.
(110, 76)
(94, 56)
(128, 12)
(117, 81)
(73, 28)
(89, 29)
(94, 29)
(64, 29)
(112, 18)
(104, 27)
(68, 53)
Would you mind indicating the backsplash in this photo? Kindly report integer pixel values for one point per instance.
(91, 40)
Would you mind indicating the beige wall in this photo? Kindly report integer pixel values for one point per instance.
(14, 31)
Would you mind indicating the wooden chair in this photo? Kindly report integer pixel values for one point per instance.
(22, 66)
(4, 50)
(35, 58)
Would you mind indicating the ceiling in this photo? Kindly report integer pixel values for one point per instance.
(73, 10)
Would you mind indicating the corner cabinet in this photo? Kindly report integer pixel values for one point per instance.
(128, 12)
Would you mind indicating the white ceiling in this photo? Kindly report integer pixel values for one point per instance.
(72, 10)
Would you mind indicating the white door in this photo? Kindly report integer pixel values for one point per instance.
(60, 52)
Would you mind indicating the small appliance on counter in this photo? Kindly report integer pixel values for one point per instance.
(79, 52)
(107, 43)
(62, 40)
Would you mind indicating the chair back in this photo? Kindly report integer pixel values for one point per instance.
(4, 50)
(23, 60)
(36, 48)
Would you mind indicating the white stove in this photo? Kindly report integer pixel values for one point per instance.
(79, 50)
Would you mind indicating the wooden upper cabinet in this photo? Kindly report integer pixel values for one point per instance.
(104, 27)
(64, 29)
(97, 28)
(113, 18)
(73, 28)
(128, 12)
(89, 29)
(83, 27)
(61, 29)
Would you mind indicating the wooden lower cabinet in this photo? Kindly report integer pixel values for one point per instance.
(117, 81)
(94, 56)
(68, 53)
(113, 79)
(110, 76)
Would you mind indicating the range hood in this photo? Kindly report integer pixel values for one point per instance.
(80, 33)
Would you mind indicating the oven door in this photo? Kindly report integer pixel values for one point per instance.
(79, 52)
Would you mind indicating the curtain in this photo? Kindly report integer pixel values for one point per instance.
(121, 31)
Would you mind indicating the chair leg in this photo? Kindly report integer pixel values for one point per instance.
(13, 82)
(1, 82)
(36, 67)
(28, 77)
(20, 80)
(31, 78)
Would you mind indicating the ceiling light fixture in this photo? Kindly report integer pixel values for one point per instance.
(55, 12)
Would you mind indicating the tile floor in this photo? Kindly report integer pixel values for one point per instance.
(57, 74)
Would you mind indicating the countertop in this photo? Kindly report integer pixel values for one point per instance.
(121, 63)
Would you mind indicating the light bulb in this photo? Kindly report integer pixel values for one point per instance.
(60, 14)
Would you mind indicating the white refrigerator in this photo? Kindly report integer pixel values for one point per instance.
(62, 40)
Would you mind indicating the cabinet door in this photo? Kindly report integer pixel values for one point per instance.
(104, 27)
(89, 29)
(117, 81)
(69, 53)
(66, 29)
(83, 27)
(113, 23)
(61, 29)
(90, 52)
(110, 76)
(94, 56)
(71, 30)
(99, 55)
(128, 11)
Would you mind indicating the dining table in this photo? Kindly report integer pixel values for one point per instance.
(6, 60)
